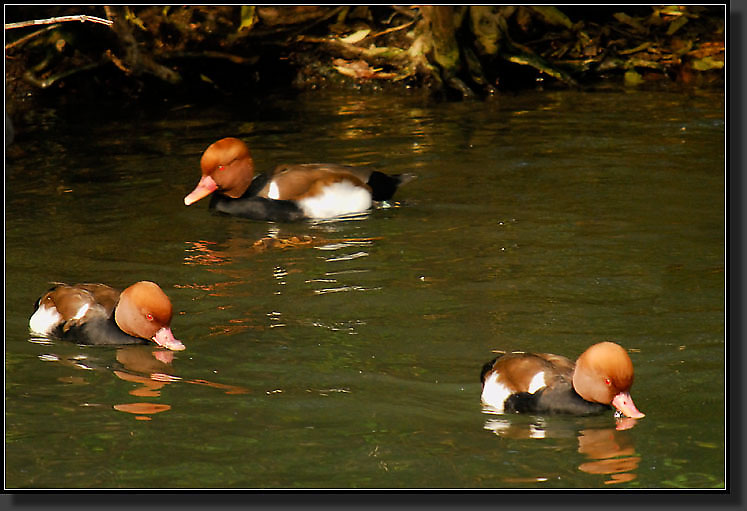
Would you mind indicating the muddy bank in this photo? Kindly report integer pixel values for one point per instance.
(450, 52)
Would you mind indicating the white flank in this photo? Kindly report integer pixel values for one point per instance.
(44, 320)
(337, 199)
(273, 192)
(494, 394)
(537, 382)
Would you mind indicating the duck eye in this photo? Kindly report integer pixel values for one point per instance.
(221, 167)
(149, 316)
(607, 381)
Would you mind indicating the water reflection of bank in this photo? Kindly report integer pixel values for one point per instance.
(228, 279)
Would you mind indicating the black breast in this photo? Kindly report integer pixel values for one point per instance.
(100, 331)
(253, 207)
(560, 398)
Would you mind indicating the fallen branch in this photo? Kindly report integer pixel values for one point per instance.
(375, 54)
(59, 19)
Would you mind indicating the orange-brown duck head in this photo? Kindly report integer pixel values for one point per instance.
(144, 311)
(604, 374)
(227, 167)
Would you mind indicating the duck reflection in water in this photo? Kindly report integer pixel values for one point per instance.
(152, 369)
(610, 451)
(149, 367)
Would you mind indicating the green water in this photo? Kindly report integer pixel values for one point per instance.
(347, 354)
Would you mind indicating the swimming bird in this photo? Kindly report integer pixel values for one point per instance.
(543, 383)
(99, 314)
(291, 192)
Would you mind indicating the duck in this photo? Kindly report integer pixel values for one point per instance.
(291, 192)
(544, 383)
(98, 314)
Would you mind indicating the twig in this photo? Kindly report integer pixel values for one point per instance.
(59, 19)
(410, 12)
(43, 84)
(393, 29)
(30, 36)
(117, 62)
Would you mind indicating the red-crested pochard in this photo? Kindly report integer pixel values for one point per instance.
(99, 314)
(290, 192)
(542, 383)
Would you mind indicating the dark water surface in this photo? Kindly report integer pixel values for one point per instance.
(347, 354)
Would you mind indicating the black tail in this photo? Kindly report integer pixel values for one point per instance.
(487, 368)
(383, 185)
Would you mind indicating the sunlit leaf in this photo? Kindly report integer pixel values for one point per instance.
(633, 78)
(130, 16)
(248, 17)
(630, 21)
(552, 16)
(541, 65)
(633, 62)
(672, 10)
(707, 63)
(707, 49)
(356, 36)
(638, 48)
(676, 25)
